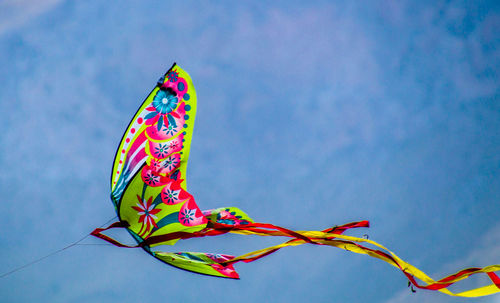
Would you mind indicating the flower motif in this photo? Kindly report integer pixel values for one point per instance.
(165, 101)
(187, 215)
(171, 196)
(150, 178)
(155, 165)
(173, 76)
(171, 130)
(173, 193)
(168, 124)
(170, 163)
(147, 213)
(190, 214)
(161, 150)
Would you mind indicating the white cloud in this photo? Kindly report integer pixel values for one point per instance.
(15, 13)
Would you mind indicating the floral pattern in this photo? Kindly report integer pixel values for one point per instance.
(155, 165)
(170, 196)
(171, 163)
(150, 177)
(147, 214)
(170, 130)
(165, 101)
(187, 216)
(173, 76)
(161, 150)
(190, 214)
(175, 123)
(173, 193)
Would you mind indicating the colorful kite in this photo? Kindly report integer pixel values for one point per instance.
(148, 190)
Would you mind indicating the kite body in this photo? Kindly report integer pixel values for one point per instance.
(148, 190)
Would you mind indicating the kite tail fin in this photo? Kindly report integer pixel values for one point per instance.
(202, 263)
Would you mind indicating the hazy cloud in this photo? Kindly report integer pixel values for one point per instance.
(15, 13)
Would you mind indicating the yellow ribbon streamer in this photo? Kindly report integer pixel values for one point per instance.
(349, 243)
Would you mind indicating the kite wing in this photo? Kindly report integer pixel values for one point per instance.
(148, 186)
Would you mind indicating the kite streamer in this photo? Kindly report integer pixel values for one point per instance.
(148, 190)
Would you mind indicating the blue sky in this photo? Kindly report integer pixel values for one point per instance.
(309, 115)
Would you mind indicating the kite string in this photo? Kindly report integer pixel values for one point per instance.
(51, 254)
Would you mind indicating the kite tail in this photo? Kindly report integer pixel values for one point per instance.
(222, 265)
(352, 244)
